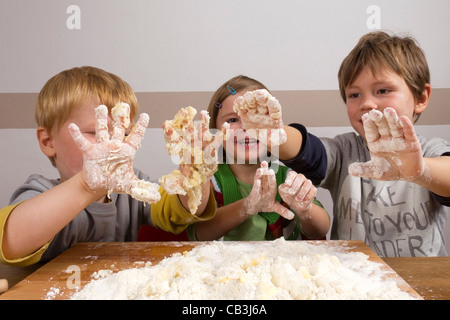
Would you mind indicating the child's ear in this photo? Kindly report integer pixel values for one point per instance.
(45, 142)
(422, 103)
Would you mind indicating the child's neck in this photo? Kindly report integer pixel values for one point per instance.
(244, 172)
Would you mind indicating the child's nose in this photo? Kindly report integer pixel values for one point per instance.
(369, 104)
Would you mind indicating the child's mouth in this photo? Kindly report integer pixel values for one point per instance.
(248, 142)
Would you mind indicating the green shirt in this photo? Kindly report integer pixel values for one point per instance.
(255, 227)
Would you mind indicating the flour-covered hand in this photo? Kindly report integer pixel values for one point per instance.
(395, 150)
(262, 196)
(108, 163)
(298, 192)
(260, 114)
(197, 149)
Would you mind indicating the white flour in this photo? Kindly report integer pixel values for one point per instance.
(238, 270)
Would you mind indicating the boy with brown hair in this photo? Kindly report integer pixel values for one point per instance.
(99, 195)
(389, 187)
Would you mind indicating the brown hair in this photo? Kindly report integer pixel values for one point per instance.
(237, 84)
(67, 91)
(377, 50)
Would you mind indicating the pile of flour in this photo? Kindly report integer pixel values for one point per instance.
(240, 270)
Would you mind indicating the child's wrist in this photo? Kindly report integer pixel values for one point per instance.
(86, 188)
(247, 209)
(302, 213)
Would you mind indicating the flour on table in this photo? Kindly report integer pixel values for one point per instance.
(52, 293)
(240, 270)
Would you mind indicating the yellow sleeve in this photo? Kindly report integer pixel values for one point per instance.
(24, 261)
(168, 214)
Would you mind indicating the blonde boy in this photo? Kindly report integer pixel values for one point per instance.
(47, 216)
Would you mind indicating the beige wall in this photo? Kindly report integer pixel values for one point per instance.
(314, 108)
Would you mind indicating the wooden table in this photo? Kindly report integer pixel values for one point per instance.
(428, 277)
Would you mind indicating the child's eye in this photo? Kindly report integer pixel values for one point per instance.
(383, 91)
(353, 95)
(232, 120)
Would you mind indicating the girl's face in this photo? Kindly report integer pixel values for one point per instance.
(388, 89)
(239, 146)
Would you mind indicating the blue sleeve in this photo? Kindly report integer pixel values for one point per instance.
(312, 159)
(445, 201)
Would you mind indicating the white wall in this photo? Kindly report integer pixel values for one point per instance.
(195, 45)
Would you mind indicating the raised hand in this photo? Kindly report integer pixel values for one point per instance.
(262, 196)
(108, 163)
(260, 111)
(298, 192)
(395, 150)
(197, 148)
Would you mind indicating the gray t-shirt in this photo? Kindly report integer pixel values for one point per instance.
(395, 218)
(119, 220)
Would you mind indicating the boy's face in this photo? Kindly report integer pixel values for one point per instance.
(239, 146)
(68, 158)
(388, 89)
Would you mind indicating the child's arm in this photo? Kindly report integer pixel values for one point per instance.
(438, 178)
(299, 193)
(396, 154)
(36, 221)
(107, 167)
(226, 219)
(292, 147)
(260, 199)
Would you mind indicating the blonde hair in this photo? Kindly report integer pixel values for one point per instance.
(237, 84)
(66, 91)
(378, 50)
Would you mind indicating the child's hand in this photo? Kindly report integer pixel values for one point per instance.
(298, 192)
(197, 148)
(394, 148)
(262, 196)
(108, 163)
(260, 110)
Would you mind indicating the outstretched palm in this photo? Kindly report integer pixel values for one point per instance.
(395, 150)
(260, 114)
(108, 163)
(197, 148)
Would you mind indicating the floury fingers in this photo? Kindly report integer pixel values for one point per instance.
(395, 149)
(259, 110)
(197, 149)
(108, 163)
